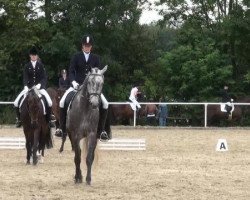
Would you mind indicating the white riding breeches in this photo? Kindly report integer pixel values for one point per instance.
(135, 102)
(105, 103)
(62, 101)
(42, 92)
(46, 95)
(19, 97)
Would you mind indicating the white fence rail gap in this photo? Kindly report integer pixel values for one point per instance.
(205, 104)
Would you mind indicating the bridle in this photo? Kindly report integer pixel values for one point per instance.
(94, 93)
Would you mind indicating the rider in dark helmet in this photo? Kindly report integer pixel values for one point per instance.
(226, 98)
(80, 65)
(34, 75)
(64, 82)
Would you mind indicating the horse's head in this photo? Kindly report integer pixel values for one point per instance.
(95, 81)
(33, 99)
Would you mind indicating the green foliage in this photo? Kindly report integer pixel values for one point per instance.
(188, 56)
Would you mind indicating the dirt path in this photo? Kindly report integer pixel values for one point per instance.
(178, 164)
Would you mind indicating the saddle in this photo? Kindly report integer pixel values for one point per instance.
(43, 101)
(227, 107)
(132, 105)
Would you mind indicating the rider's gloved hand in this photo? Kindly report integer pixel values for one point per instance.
(38, 86)
(26, 89)
(75, 85)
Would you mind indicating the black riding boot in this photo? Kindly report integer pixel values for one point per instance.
(18, 120)
(62, 123)
(102, 134)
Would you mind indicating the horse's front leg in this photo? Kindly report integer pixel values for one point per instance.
(92, 141)
(28, 148)
(63, 141)
(35, 147)
(78, 175)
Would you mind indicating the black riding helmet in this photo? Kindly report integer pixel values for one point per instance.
(87, 40)
(33, 51)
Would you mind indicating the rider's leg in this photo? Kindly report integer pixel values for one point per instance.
(16, 106)
(18, 120)
(63, 112)
(103, 117)
(49, 102)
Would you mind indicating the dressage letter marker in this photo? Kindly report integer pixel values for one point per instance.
(222, 145)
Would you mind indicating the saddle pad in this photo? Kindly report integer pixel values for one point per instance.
(132, 105)
(43, 101)
(223, 107)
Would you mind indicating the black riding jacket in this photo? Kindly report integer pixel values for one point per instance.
(33, 76)
(225, 96)
(64, 84)
(79, 68)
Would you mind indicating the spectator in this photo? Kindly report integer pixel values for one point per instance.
(151, 112)
(163, 112)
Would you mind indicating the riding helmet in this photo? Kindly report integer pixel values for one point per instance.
(64, 71)
(33, 51)
(87, 40)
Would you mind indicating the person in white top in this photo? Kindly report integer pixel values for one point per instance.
(133, 96)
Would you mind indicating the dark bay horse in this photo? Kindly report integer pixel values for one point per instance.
(56, 95)
(83, 118)
(124, 114)
(35, 125)
(215, 115)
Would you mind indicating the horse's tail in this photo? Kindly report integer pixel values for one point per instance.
(49, 139)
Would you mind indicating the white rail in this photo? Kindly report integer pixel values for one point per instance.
(165, 103)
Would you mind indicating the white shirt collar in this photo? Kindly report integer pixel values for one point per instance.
(86, 55)
(33, 63)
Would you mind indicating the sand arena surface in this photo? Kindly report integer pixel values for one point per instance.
(177, 164)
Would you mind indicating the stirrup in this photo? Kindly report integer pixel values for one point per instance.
(59, 133)
(104, 136)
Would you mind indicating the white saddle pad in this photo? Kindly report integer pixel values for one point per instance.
(133, 106)
(223, 106)
(25, 95)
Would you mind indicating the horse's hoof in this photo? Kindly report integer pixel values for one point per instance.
(60, 150)
(88, 183)
(35, 162)
(78, 180)
(28, 163)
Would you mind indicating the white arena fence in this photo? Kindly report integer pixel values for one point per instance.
(121, 144)
(205, 104)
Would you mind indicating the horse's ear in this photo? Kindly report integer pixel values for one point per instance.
(104, 69)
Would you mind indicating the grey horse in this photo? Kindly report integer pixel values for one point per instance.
(83, 118)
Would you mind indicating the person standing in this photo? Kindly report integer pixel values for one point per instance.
(163, 113)
(34, 75)
(80, 65)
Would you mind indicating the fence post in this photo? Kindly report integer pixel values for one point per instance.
(205, 116)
